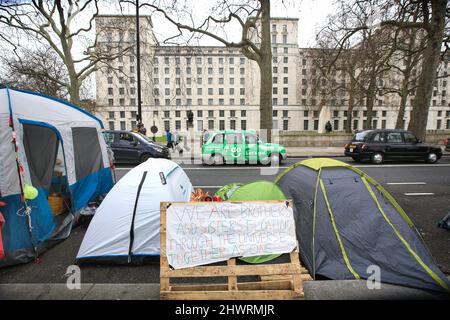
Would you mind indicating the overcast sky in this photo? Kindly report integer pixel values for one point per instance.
(311, 13)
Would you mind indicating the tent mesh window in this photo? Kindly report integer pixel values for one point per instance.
(41, 146)
(87, 151)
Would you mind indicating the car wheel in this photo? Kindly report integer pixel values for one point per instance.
(209, 160)
(265, 161)
(144, 157)
(377, 158)
(274, 159)
(218, 159)
(432, 157)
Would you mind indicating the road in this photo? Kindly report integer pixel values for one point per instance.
(422, 190)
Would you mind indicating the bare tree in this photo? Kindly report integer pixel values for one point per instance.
(38, 70)
(61, 25)
(399, 14)
(253, 17)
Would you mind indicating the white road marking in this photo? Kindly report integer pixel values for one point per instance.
(205, 187)
(401, 165)
(285, 167)
(420, 194)
(405, 183)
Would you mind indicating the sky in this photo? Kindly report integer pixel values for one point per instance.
(312, 16)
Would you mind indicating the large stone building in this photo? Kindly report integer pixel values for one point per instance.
(221, 86)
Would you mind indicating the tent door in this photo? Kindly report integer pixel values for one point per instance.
(44, 151)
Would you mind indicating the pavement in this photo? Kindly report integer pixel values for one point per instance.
(423, 190)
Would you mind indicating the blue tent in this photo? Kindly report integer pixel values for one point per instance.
(46, 142)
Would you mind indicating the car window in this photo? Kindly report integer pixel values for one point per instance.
(126, 138)
(378, 137)
(409, 137)
(234, 138)
(109, 137)
(251, 139)
(218, 139)
(394, 137)
(360, 136)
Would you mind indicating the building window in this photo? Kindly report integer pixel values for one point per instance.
(166, 114)
(210, 124)
(243, 124)
(110, 91)
(305, 125)
(284, 39)
(274, 101)
(111, 125)
(336, 125)
(221, 124)
(123, 125)
(233, 124)
(274, 38)
(110, 102)
(232, 113)
(285, 125)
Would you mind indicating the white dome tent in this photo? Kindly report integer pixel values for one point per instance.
(127, 223)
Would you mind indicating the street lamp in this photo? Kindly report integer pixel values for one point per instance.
(138, 67)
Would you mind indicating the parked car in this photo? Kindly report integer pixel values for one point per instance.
(447, 144)
(133, 147)
(380, 145)
(240, 146)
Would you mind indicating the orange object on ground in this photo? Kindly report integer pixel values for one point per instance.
(200, 195)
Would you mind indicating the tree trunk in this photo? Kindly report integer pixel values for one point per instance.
(435, 33)
(401, 111)
(370, 99)
(351, 105)
(265, 68)
(74, 92)
(405, 83)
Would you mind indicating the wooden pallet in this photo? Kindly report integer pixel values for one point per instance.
(276, 281)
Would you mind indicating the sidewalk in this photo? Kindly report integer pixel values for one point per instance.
(314, 290)
(294, 152)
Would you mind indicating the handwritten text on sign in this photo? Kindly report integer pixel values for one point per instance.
(203, 233)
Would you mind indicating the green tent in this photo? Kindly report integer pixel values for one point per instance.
(258, 190)
(347, 223)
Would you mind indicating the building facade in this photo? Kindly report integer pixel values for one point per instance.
(221, 86)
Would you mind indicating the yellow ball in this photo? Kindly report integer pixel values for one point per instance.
(30, 192)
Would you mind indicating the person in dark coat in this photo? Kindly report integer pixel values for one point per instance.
(328, 127)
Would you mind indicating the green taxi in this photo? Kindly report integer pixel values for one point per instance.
(240, 146)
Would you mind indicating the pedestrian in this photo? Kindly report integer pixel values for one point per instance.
(205, 135)
(328, 127)
(142, 129)
(169, 139)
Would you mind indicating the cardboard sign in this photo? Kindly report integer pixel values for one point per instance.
(203, 233)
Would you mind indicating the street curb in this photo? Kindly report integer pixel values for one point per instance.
(87, 291)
